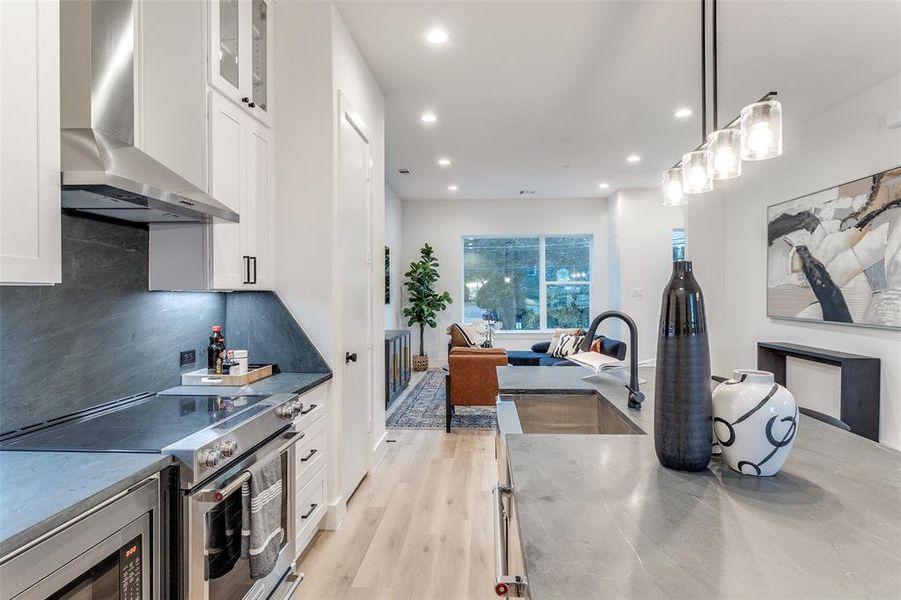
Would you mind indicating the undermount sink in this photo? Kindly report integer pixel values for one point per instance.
(561, 414)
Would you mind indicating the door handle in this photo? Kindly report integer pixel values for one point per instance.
(254, 259)
(350, 358)
(246, 269)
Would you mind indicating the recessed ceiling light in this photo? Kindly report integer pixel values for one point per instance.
(603, 185)
(452, 188)
(683, 113)
(444, 162)
(428, 117)
(436, 36)
(633, 158)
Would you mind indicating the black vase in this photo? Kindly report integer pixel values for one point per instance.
(682, 398)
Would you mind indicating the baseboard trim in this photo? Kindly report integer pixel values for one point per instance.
(335, 514)
(378, 453)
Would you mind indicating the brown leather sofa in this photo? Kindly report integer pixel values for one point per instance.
(472, 378)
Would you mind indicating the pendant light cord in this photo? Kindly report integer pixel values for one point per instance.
(703, 71)
(715, 84)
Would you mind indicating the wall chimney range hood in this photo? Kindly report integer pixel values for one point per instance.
(103, 171)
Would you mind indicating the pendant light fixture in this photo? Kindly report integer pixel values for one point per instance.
(761, 130)
(756, 134)
(672, 187)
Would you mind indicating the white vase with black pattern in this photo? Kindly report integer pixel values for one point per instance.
(755, 421)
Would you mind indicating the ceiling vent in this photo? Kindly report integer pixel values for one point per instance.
(404, 171)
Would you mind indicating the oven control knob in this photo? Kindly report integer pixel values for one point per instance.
(285, 411)
(297, 406)
(228, 448)
(210, 458)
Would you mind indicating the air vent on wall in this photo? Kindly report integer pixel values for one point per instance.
(526, 192)
(404, 171)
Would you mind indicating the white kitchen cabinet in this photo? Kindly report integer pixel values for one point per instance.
(228, 184)
(29, 143)
(311, 467)
(240, 53)
(224, 255)
(259, 238)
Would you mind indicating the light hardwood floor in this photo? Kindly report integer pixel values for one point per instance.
(419, 526)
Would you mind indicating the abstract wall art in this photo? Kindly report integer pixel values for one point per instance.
(835, 256)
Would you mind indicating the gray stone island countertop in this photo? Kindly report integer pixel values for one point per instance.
(39, 491)
(600, 518)
(275, 384)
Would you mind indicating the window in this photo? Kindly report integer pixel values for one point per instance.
(678, 244)
(528, 283)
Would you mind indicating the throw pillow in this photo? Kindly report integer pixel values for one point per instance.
(555, 341)
(569, 344)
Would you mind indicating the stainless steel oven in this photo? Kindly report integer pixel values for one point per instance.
(212, 570)
(108, 553)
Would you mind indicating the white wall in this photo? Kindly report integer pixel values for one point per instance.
(641, 251)
(444, 223)
(317, 57)
(726, 236)
(394, 222)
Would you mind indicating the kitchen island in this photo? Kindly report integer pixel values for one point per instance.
(598, 517)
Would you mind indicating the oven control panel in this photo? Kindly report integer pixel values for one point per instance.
(131, 571)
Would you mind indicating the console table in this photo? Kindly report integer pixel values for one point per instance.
(859, 380)
(397, 363)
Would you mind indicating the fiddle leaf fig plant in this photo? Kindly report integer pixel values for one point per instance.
(424, 303)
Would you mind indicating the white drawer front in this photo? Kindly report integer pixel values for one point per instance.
(314, 406)
(310, 451)
(310, 508)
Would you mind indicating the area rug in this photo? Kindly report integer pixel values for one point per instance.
(423, 408)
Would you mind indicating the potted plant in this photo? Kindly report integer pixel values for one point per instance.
(424, 303)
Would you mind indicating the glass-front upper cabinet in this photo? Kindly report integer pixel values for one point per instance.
(258, 70)
(240, 53)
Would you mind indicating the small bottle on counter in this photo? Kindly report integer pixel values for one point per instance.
(215, 352)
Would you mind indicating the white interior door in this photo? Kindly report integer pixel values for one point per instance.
(353, 241)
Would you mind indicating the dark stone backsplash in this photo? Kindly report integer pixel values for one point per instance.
(101, 335)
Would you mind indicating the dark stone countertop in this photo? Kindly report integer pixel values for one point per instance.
(39, 491)
(600, 518)
(291, 383)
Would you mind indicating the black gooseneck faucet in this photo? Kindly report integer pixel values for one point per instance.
(636, 397)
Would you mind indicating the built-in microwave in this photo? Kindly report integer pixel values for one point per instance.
(108, 553)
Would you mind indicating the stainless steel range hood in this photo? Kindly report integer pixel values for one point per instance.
(103, 172)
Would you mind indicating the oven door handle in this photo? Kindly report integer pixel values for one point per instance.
(244, 476)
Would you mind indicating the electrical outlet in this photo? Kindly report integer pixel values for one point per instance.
(187, 357)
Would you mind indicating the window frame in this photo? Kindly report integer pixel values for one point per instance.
(542, 274)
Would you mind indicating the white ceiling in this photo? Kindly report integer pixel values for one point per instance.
(552, 96)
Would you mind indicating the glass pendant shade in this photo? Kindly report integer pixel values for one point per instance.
(672, 188)
(761, 130)
(695, 178)
(724, 154)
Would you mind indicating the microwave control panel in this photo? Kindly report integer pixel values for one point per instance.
(131, 570)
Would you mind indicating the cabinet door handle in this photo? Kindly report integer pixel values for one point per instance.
(251, 104)
(246, 269)
(309, 456)
(245, 99)
(254, 259)
(306, 410)
(309, 512)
